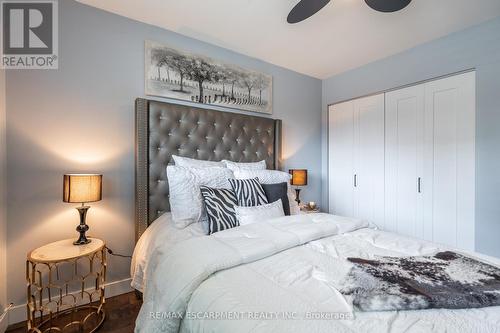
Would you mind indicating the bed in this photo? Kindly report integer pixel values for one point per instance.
(282, 275)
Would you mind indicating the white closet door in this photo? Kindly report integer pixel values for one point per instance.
(450, 161)
(340, 159)
(369, 158)
(404, 142)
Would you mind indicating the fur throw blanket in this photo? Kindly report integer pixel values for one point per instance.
(445, 280)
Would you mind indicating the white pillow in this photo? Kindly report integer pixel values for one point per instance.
(248, 215)
(186, 203)
(248, 166)
(271, 177)
(193, 163)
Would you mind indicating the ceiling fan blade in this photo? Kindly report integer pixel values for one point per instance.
(305, 9)
(387, 6)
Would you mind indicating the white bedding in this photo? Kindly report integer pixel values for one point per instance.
(299, 283)
(161, 234)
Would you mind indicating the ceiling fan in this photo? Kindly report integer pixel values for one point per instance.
(307, 8)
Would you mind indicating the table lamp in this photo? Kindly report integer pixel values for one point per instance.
(82, 188)
(299, 178)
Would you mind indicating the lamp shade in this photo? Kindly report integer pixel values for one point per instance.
(299, 177)
(82, 188)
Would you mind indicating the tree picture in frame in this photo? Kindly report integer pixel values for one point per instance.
(181, 75)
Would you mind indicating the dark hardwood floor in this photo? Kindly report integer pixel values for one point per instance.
(121, 312)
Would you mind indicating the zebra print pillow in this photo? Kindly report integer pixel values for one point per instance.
(249, 192)
(220, 205)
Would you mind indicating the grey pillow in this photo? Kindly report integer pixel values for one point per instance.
(278, 191)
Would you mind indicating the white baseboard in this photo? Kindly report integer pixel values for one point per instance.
(17, 313)
(4, 322)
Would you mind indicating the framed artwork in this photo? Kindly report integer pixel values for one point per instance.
(181, 75)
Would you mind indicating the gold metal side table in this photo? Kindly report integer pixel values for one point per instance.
(65, 287)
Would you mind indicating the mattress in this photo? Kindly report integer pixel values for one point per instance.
(297, 290)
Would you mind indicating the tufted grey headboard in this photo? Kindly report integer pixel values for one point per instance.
(165, 129)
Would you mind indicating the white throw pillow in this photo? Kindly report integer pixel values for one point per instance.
(248, 215)
(186, 203)
(247, 166)
(194, 163)
(271, 177)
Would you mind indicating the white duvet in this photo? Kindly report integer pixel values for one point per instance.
(283, 276)
(161, 235)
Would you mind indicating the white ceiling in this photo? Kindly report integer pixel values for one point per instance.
(344, 35)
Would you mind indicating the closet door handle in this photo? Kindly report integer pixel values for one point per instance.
(355, 180)
(419, 185)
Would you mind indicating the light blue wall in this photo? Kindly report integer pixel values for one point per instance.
(3, 213)
(81, 118)
(477, 47)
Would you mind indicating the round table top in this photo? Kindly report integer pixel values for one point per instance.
(64, 250)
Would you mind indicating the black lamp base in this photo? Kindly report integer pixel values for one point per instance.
(297, 196)
(82, 228)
